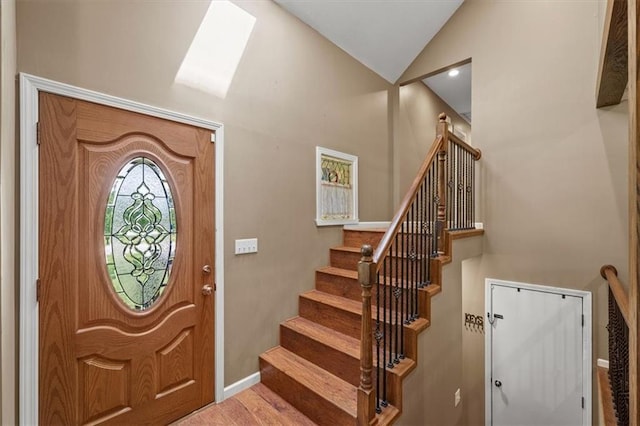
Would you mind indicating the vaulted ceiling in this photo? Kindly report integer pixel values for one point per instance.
(384, 35)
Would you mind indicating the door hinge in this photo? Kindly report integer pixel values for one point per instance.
(213, 137)
(583, 402)
(38, 290)
(38, 133)
(583, 320)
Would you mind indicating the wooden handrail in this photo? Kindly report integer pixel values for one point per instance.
(471, 150)
(610, 273)
(425, 203)
(385, 244)
(438, 146)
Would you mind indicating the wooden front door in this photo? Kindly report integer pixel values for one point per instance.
(126, 252)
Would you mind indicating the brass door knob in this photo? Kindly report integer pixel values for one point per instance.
(207, 290)
(206, 269)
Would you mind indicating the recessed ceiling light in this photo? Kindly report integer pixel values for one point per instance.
(454, 72)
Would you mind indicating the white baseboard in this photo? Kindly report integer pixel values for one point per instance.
(241, 385)
(367, 225)
(603, 363)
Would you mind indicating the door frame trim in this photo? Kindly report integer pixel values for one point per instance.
(30, 86)
(586, 341)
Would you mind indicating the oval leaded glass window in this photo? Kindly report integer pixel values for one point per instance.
(140, 233)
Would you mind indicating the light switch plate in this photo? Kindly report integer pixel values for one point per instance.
(246, 246)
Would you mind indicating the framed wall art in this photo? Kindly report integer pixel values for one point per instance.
(336, 187)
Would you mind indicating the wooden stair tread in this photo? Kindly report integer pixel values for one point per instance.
(326, 335)
(343, 303)
(314, 378)
(347, 249)
(388, 416)
(347, 273)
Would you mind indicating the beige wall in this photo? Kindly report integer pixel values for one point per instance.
(293, 90)
(418, 117)
(554, 168)
(8, 335)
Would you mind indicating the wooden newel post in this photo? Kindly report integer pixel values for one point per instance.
(366, 393)
(442, 130)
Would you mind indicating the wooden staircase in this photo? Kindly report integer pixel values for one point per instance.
(316, 368)
(326, 363)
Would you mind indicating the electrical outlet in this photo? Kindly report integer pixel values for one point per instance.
(246, 246)
(457, 398)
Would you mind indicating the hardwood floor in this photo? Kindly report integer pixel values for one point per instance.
(257, 405)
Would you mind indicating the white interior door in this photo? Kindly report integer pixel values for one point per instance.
(536, 357)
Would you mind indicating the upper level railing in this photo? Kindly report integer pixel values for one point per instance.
(442, 196)
(618, 343)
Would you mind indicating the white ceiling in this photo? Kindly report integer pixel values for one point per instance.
(455, 91)
(385, 35)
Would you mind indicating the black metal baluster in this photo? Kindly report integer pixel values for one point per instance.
(378, 336)
(619, 360)
(436, 201)
(469, 189)
(473, 194)
(426, 203)
(465, 191)
(410, 266)
(417, 276)
(449, 187)
(461, 188)
(412, 263)
(386, 343)
(453, 182)
(470, 193)
(419, 252)
(429, 209)
(396, 294)
(424, 254)
(458, 186)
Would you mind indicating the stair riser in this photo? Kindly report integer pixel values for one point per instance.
(334, 361)
(338, 285)
(344, 259)
(340, 320)
(309, 403)
(347, 322)
(358, 238)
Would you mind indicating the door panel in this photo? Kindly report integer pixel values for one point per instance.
(103, 359)
(536, 358)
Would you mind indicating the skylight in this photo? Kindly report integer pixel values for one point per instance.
(216, 49)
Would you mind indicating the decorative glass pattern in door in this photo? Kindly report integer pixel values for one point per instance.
(140, 233)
